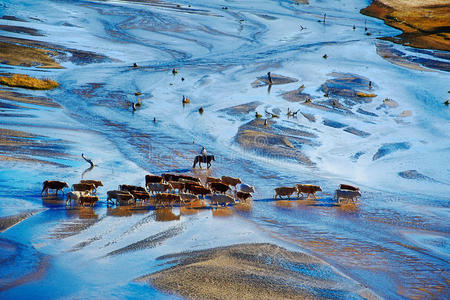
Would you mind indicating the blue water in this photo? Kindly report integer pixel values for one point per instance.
(395, 240)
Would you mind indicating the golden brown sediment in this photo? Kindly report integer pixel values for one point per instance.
(425, 24)
(41, 54)
(26, 98)
(16, 54)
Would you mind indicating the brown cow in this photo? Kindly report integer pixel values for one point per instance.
(88, 199)
(284, 191)
(348, 187)
(120, 196)
(347, 194)
(130, 188)
(159, 187)
(190, 178)
(189, 184)
(231, 181)
(53, 185)
(170, 177)
(219, 187)
(222, 199)
(153, 179)
(177, 185)
(166, 198)
(84, 187)
(139, 195)
(308, 189)
(97, 183)
(209, 180)
(185, 180)
(198, 190)
(243, 195)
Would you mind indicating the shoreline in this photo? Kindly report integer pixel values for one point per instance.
(7, 222)
(423, 26)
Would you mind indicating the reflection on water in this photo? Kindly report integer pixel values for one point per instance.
(222, 211)
(186, 211)
(81, 212)
(53, 200)
(243, 206)
(166, 214)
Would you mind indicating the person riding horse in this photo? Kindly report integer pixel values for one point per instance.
(203, 158)
(203, 153)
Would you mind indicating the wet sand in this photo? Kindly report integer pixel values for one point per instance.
(252, 271)
(9, 221)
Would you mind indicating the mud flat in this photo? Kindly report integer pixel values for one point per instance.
(30, 53)
(22, 146)
(424, 23)
(252, 271)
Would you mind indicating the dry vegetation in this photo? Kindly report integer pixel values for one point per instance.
(28, 82)
(368, 95)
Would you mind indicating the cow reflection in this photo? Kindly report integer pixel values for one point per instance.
(188, 211)
(52, 200)
(165, 214)
(222, 212)
(81, 212)
(119, 211)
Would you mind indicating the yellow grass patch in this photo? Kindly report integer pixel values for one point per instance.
(28, 82)
(361, 94)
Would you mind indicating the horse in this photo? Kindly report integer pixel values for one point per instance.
(200, 159)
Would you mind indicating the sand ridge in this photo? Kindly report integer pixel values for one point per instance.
(252, 271)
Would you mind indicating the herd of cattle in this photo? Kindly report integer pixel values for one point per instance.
(164, 190)
(345, 192)
(170, 189)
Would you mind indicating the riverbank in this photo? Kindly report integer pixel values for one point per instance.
(424, 23)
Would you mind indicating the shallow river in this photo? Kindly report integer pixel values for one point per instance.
(395, 240)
